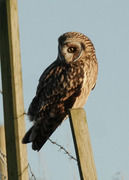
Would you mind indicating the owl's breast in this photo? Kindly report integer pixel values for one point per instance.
(81, 99)
(85, 91)
(89, 81)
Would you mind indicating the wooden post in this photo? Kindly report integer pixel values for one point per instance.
(3, 165)
(12, 91)
(82, 144)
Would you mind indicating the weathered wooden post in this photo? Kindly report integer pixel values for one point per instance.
(82, 144)
(12, 91)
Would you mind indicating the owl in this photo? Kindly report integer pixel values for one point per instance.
(65, 84)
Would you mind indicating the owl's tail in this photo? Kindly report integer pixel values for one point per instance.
(38, 135)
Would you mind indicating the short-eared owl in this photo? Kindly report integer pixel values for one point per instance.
(65, 84)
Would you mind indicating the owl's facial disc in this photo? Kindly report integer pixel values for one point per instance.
(70, 51)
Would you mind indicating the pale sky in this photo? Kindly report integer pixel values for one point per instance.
(106, 23)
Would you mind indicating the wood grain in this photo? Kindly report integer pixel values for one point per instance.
(12, 91)
(82, 144)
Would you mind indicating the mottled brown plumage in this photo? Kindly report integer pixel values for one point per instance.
(65, 84)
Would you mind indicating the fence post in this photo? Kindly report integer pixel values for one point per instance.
(82, 144)
(12, 91)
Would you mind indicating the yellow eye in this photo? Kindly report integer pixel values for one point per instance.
(71, 49)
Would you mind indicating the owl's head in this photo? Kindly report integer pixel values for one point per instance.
(73, 46)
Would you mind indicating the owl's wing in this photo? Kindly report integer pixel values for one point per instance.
(46, 72)
(56, 85)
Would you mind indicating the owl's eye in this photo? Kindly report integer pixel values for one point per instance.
(71, 49)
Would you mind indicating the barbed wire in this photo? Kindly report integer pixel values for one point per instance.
(3, 161)
(2, 158)
(55, 143)
(2, 155)
(62, 148)
(24, 113)
(5, 177)
(32, 174)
